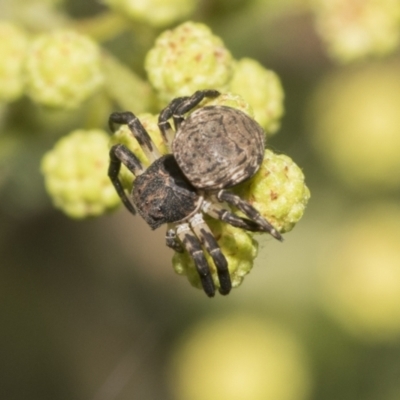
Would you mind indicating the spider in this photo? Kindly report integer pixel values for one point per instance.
(213, 149)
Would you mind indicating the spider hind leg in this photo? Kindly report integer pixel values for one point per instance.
(193, 246)
(171, 240)
(207, 239)
(250, 212)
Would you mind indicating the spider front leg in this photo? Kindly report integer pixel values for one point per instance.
(193, 247)
(138, 131)
(171, 240)
(176, 108)
(119, 154)
(207, 239)
(249, 211)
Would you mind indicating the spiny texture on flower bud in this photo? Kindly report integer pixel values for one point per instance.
(62, 69)
(186, 59)
(13, 47)
(277, 191)
(75, 173)
(262, 89)
(157, 13)
(238, 246)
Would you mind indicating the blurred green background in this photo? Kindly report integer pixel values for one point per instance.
(93, 310)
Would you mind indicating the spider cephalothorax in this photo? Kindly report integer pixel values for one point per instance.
(213, 149)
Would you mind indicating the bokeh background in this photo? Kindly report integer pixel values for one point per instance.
(92, 309)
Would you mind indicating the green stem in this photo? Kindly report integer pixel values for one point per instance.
(102, 27)
(125, 87)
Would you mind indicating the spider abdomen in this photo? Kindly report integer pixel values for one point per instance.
(162, 194)
(218, 147)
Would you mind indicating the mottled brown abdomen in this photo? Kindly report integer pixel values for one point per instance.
(218, 147)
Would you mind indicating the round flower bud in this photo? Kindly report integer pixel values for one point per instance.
(75, 173)
(355, 125)
(237, 245)
(13, 48)
(277, 191)
(360, 286)
(186, 59)
(239, 357)
(262, 89)
(157, 13)
(354, 29)
(63, 69)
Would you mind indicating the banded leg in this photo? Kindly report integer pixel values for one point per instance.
(138, 131)
(207, 239)
(250, 212)
(171, 241)
(193, 246)
(218, 212)
(189, 103)
(176, 109)
(166, 130)
(119, 154)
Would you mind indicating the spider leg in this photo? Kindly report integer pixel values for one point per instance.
(207, 239)
(176, 108)
(250, 212)
(166, 130)
(188, 103)
(119, 154)
(218, 212)
(193, 246)
(138, 131)
(171, 240)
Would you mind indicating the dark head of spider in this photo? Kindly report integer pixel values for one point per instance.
(213, 148)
